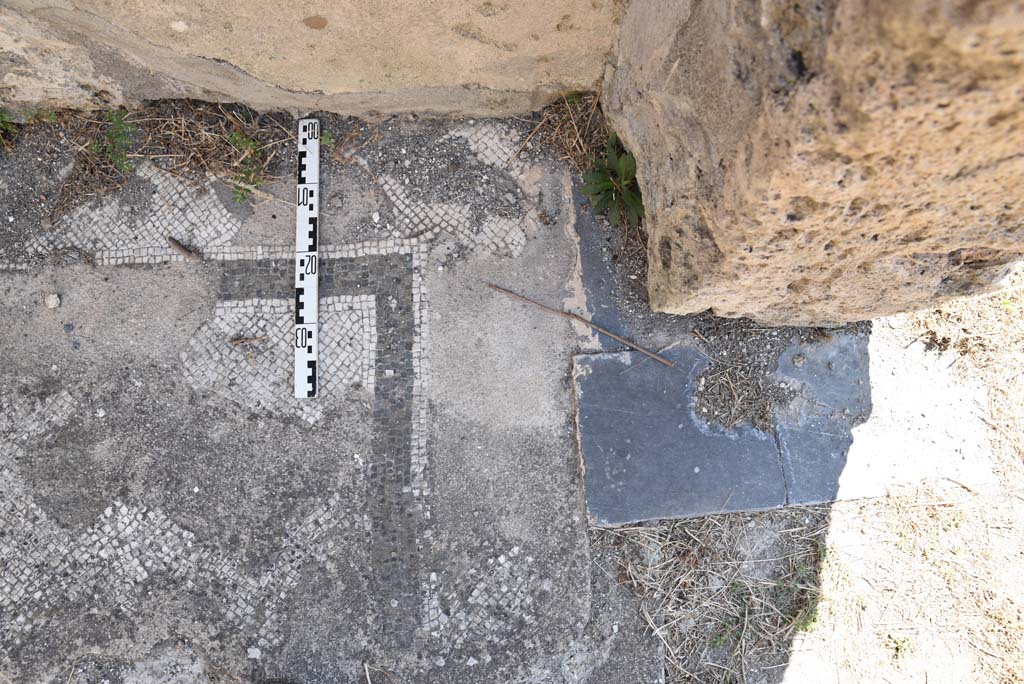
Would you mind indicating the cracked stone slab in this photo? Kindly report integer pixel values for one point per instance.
(649, 456)
(872, 413)
(868, 412)
(815, 429)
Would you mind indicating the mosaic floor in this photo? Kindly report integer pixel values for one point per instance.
(170, 513)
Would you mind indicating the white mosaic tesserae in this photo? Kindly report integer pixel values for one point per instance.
(307, 218)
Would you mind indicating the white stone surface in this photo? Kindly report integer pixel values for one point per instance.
(926, 422)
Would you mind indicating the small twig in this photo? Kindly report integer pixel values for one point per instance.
(252, 189)
(72, 672)
(234, 121)
(584, 321)
(590, 117)
(190, 254)
(961, 484)
(274, 144)
(717, 360)
(572, 119)
(248, 340)
(526, 142)
(643, 361)
(245, 155)
(366, 671)
(344, 152)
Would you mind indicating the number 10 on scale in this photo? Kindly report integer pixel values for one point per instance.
(307, 219)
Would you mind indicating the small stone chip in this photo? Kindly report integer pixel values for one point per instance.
(253, 653)
(52, 300)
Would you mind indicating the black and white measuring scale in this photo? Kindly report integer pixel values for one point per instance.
(307, 216)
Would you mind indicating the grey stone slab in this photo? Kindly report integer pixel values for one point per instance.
(872, 413)
(597, 276)
(813, 456)
(815, 430)
(648, 456)
(836, 368)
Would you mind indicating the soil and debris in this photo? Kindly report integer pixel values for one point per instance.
(55, 163)
(738, 385)
(725, 594)
(33, 167)
(92, 154)
(188, 138)
(575, 128)
(441, 172)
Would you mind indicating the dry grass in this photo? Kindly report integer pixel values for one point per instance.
(725, 594)
(575, 127)
(190, 139)
(921, 585)
(92, 175)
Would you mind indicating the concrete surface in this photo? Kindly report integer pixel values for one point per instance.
(171, 514)
(453, 56)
